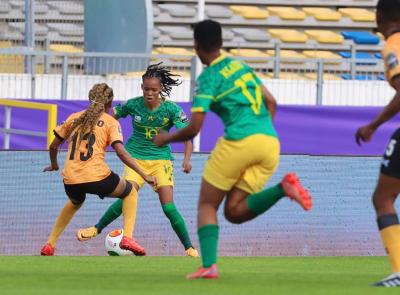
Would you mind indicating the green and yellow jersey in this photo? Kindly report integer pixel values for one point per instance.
(145, 125)
(229, 88)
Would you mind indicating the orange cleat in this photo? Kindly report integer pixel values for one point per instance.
(205, 273)
(131, 245)
(47, 250)
(295, 191)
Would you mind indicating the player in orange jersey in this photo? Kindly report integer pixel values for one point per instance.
(388, 187)
(89, 133)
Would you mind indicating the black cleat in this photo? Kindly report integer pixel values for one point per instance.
(391, 281)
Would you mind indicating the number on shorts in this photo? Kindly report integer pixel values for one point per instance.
(390, 147)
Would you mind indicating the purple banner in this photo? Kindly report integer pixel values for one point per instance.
(313, 130)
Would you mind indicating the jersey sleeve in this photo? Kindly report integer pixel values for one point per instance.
(205, 93)
(391, 57)
(179, 117)
(61, 130)
(115, 133)
(124, 109)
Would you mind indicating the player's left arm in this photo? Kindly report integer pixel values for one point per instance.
(270, 101)
(187, 155)
(53, 151)
(366, 132)
(181, 121)
(184, 134)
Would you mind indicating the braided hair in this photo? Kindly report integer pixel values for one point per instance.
(99, 96)
(165, 76)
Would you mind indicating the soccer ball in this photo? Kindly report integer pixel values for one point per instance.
(112, 244)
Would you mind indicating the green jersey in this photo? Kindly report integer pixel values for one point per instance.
(145, 125)
(229, 88)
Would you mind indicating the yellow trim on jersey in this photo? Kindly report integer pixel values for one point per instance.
(205, 96)
(218, 59)
(197, 110)
(227, 92)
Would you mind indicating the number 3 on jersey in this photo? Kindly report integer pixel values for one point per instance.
(256, 99)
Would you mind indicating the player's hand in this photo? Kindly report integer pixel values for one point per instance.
(152, 180)
(161, 138)
(365, 133)
(51, 168)
(186, 166)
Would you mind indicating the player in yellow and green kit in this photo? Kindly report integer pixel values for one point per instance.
(248, 154)
(151, 113)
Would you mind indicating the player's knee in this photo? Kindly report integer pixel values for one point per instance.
(232, 217)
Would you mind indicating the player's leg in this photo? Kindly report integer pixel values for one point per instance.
(178, 224)
(388, 223)
(208, 230)
(115, 210)
(76, 200)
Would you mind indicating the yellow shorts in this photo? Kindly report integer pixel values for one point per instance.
(246, 164)
(161, 169)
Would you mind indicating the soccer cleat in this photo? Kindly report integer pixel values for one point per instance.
(192, 252)
(85, 234)
(47, 250)
(391, 281)
(205, 273)
(131, 245)
(295, 191)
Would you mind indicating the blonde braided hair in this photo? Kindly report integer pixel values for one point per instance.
(99, 96)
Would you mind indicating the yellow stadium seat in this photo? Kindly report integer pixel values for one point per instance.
(250, 12)
(325, 36)
(289, 54)
(358, 14)
(320, 54)
(175, 51)
(288, 35)
(288, 13)
(323, 14)
(65, 48)
(291, 76)
(254, 53)
(313, 76)
(5, 44)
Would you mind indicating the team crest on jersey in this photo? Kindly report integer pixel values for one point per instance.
(183, 116)
(392, 61)
(138, 119)
(150, 118)
(165, 121)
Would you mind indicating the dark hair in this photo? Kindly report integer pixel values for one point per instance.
(165, 76)
(208, 35)
(389, 10)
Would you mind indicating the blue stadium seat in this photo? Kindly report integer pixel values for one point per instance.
(361, 37)
(359, 55)
(378, 55)
(361, 77)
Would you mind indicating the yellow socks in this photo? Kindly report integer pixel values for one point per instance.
(62, 221)
(390, 233)
(129, 207)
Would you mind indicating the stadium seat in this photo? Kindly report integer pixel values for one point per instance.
(287, 13)
(322, 14)
(360, 55)
(65, 48)
(361, 37)
(360, 77)
(5, 7)
(250, 12)
(286, 54)
(175, 51)
(325, 36)
(218, 11)
(320, 54)
(288, 35)
(68, 7)
(358, 14)
(378, 55)
(254, 53)
(178, 10)
(290, 76)
(252, 34)
(314, 76)
(176, 32)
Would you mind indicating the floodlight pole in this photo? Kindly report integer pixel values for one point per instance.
(199, 66)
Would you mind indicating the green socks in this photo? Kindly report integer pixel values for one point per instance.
(208, 237)
(112, 213)
(177, 223)
(260, 202)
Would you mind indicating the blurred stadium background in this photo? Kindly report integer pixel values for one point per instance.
(320, 58)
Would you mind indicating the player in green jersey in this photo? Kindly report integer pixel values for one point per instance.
(151, 113)
(248, 154)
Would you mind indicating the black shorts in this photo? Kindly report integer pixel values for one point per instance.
(77, 192)
(391, 159)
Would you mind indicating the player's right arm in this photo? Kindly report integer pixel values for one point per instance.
(124, 109)
(124, 156)
(365, 133)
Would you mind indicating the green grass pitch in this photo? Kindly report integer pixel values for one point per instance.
(166, 275)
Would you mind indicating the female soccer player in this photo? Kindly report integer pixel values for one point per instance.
(151, 113)
(388, 187)
(88, 133)
(248, 154)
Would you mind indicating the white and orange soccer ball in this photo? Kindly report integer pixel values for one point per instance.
(112, 244)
